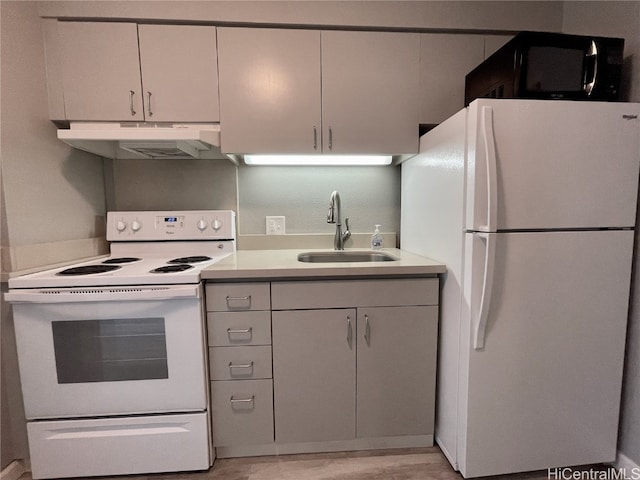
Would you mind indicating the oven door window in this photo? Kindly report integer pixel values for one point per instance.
(110, 350)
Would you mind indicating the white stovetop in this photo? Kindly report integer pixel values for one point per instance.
(134, 273)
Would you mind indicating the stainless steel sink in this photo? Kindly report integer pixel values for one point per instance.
(341, 256)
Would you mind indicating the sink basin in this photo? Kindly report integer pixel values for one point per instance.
(330, 257)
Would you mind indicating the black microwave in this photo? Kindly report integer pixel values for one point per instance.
(550, 65)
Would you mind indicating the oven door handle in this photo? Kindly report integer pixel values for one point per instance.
(104, 294)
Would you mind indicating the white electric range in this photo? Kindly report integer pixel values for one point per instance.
(112, 351)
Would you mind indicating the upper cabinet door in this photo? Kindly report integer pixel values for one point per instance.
(101, 72)
(179, 73)
(445, 60)
(369, 92)
(269, 90)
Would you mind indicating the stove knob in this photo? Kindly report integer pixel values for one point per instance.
(216, 225)
(202, 225)
(121, 226)
(136, 225)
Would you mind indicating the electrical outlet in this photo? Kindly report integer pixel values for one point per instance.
(275, 225)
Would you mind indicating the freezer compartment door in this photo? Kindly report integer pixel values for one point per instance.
(542, 389)
(551, 164)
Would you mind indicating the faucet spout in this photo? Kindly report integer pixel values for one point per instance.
(334, 217)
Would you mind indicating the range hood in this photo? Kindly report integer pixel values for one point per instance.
(133, 140)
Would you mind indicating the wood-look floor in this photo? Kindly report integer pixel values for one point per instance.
(404, 464)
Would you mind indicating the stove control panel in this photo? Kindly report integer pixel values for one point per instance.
(176, 225)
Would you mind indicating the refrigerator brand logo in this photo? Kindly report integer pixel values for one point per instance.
(591, 474)
(629, 117)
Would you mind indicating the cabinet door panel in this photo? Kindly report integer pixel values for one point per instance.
(100, 69)
(396, 370)
(180, 70)
(269, 90)
(445, 60)
(369, 91)
(314, 375)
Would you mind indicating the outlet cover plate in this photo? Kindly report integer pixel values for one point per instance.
(275, 225)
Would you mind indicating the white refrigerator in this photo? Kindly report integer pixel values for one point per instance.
(532, 206)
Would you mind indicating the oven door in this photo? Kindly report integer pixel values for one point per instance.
(110, 351)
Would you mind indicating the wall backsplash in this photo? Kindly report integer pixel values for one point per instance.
(369, 195)
(174, 185)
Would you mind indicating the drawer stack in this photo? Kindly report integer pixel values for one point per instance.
(240, 365)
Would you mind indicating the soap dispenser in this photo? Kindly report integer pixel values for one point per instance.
(376, 239)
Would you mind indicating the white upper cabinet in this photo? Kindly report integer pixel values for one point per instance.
(493, 42)
(179, 67)
(269, 90)
(172, 76)
(369, 91)
(100, 71)
(303, 91)
(445, 60)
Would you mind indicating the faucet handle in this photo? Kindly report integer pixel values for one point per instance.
(347, 233)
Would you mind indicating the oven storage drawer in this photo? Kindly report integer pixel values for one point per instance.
(234, 297)
(227, 329)
(242, 412)
(117, 446)
(240, 363)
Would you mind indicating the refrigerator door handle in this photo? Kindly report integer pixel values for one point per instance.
(492, 168)
(487, 286)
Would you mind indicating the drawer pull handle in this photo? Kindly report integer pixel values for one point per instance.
(239, 302)
(242, 365)
(234, 400)
(245, 333)
(349, 332)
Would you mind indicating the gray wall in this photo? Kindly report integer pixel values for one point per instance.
(622, 19)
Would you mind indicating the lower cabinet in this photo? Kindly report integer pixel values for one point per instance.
(240, 364)
(314, 363)
(346, 364)
(396, 373)
(347, 373)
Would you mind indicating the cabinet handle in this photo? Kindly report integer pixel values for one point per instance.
(149, 104)
(234, 400)
(367, 330)
(349, 332)
(239, 331)
(330, 138)
(246, 298)
(131, 93)
(242, 365)
(315, 138)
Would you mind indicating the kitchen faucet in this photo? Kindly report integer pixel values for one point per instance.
(334, 217)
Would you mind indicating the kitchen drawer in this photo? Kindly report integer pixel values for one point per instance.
(120, 445)
(227, 329)
(233, 297)
(354, 293)
(240, 363)
(242, 412)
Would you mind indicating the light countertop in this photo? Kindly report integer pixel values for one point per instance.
(284, 264)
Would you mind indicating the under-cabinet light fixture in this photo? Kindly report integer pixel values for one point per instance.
(317, 159)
